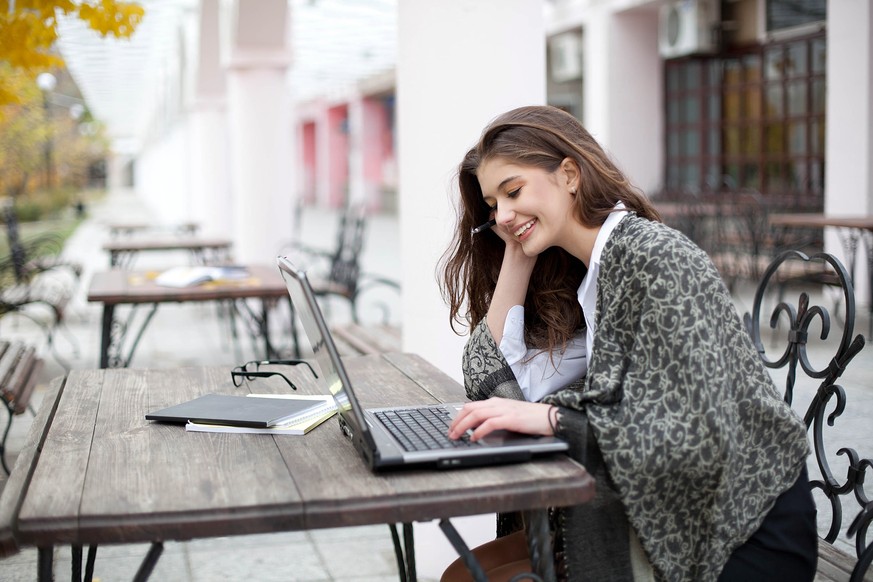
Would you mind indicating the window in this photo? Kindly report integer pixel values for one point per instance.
(791, 13)
(753, 119)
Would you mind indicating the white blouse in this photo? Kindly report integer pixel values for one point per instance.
(538, 374)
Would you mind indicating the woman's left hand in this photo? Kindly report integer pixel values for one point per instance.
(485, 416)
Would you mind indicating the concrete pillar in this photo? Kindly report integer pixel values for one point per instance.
(336, 133)
(210, 201)
(446, 93)
(849, 133)
(459, 65)
(357, 145)
(308, 157)
(621, 63)
(322, 155)
(368, 132)
(261, 129)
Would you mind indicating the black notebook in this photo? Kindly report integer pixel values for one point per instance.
(238, 410)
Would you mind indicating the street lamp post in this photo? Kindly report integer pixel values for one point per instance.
(47, 83)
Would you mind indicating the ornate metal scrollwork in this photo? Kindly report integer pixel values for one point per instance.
(829, 396)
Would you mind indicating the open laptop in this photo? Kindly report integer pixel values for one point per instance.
(379, 434)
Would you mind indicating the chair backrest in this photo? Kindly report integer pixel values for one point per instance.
(345, 265)
(16, 248)
(793, 329)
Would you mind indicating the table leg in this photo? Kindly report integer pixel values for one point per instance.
(293, 320)
(89, 563)
(539, 540)
(464, 552)
(404, 552)
(265, 328)
(868, 243)
(125, 362)
(409, 544)
(149, 563)
(76, 562)
(44, 565)
(849, 241)
(106, 337)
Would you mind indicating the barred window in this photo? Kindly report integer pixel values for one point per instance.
(751, 119)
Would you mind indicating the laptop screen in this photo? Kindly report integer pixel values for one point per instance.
(333, 373)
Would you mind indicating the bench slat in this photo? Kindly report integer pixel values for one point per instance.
(369, 340)
(835, 564)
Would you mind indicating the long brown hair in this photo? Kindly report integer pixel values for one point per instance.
(541, 137)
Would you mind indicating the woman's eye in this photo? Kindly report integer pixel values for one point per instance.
(514, 193)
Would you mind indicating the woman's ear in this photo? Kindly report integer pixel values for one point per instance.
(571, 172)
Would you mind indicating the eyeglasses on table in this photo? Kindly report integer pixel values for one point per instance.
(252, 369)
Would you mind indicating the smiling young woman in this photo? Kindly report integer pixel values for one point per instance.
(591, 320)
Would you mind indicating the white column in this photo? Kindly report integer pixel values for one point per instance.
(211, 199)
(261, 132)
(446, 93)
(849, 137)
(210, 177)
(459, 65)
(623, 90)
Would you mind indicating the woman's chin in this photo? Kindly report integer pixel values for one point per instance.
(530, 249)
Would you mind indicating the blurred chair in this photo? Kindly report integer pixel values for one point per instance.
(33, 275)
(337, 272)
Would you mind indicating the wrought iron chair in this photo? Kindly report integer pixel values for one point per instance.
(795, 327)
(337, 272)
(34, 275)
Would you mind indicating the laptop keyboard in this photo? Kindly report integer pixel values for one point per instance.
(422, 429)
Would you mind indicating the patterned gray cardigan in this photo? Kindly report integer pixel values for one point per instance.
(677, 418)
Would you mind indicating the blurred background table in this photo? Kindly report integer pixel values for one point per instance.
(136, 288)
(204, 251)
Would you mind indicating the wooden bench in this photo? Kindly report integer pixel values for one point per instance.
(793, 328)
(355, 339)
(19, 370)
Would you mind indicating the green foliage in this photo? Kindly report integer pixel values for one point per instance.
(45, 204)
(41, 146)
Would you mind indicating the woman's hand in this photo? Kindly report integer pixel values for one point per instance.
(511, 288)
(485, 416)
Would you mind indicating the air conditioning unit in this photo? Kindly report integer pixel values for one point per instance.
(688, 27)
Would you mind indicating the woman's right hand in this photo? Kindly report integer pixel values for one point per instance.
(484, 416)
(511, 288)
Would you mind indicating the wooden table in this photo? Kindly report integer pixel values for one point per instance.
(203, 250)
(128, 228)
(137, 288)
(94, 471)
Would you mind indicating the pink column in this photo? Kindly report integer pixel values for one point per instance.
(338, 155)
(378, 148)
(309, 162)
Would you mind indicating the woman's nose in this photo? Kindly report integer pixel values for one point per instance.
(504, 214)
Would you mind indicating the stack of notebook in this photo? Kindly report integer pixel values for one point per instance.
(291, 414)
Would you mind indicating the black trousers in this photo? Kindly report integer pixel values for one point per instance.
(785, 547)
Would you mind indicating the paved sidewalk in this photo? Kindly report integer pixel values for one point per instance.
(190, 335)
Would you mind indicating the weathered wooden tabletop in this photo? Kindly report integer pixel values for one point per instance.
(120, 286)
(822, 220)
(94, 471)
(165, 243)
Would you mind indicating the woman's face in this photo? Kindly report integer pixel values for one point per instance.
(530, 205)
